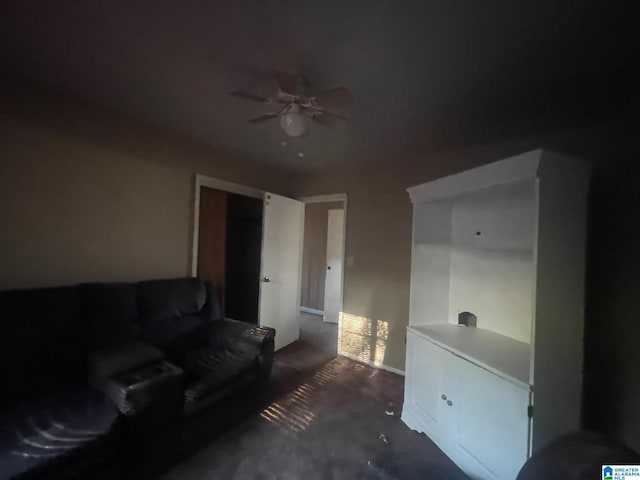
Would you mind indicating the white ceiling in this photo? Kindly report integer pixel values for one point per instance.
(425, 74)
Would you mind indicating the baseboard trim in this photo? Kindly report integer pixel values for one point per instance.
(381, 366)
(312, 311)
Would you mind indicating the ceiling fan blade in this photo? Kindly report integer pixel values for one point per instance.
(288, 82)
(334, 115)
(262, 118)
(325, 120)
(336, 97)
(250, 96)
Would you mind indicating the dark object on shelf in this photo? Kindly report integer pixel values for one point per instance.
(468, 319)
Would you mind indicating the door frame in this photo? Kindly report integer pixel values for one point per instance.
(334, 197)
(211, 182)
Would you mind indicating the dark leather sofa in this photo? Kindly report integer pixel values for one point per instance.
(65, 351)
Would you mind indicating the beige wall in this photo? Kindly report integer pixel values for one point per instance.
(376, 290)
(377, 248)
(378, 245)
(88, 196)
(314, 253)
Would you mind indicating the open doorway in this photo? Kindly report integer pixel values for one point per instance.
(323, 270)
(244, 244)
(248, 244)
(229, 250)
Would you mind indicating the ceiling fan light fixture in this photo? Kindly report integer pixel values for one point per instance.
(293, 124)
(294, 104)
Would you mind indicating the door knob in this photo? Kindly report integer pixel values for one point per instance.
(266, 279)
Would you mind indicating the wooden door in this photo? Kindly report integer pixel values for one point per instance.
(212, 236)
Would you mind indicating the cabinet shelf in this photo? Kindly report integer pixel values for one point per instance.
(500, 355)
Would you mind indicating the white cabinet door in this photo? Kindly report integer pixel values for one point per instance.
(491, 428)
(424, 379)
(477, 418)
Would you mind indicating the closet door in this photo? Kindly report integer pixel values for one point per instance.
(212, 234)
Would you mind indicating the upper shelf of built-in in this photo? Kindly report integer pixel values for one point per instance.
(501, 355)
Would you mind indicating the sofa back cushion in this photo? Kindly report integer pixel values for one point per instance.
(40, 343)
(160, 300)
(175, 314)
(109, 314)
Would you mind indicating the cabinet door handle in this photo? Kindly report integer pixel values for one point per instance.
(449, 402)
(443, 396)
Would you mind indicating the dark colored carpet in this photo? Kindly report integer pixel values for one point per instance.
(326, 420)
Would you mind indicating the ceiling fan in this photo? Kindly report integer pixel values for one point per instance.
(294, 105)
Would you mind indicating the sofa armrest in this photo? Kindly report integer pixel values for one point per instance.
(114, 360)
(133, 391)
(228, 333)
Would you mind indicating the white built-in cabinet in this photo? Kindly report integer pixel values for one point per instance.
(506, 242)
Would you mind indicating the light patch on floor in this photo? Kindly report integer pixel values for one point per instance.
(298, 411)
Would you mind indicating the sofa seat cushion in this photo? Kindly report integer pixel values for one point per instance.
(35, 435)
(209, 371)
